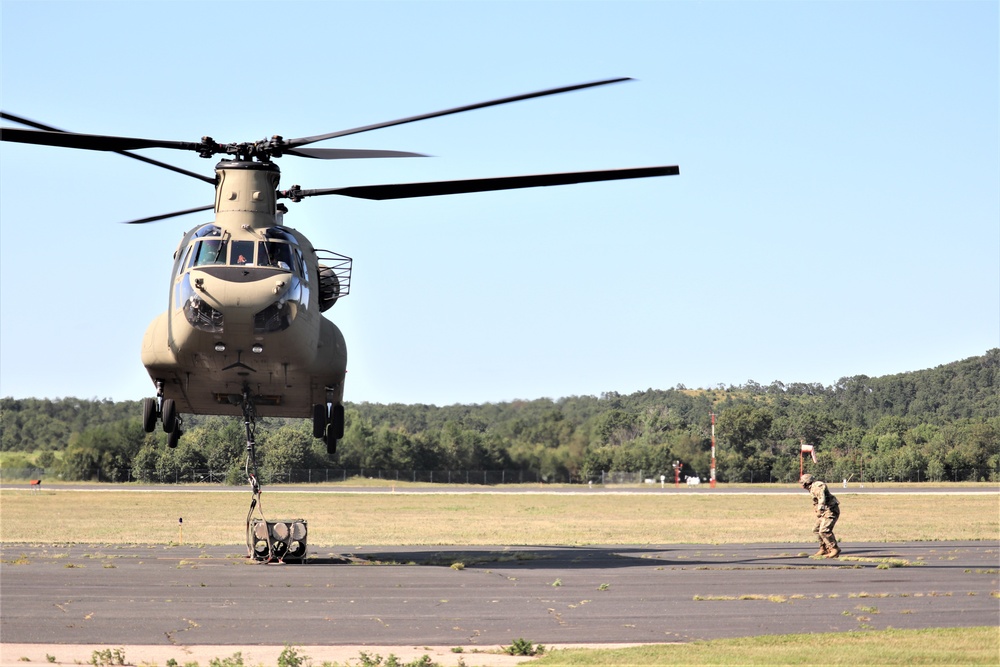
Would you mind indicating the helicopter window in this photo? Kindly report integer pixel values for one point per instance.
(210, 252)
(187, 256)
(279, 233)
(300, 262)
(264, 254)
(275, 254)
(208, 230)
(242, 253)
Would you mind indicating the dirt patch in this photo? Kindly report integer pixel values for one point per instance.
(17, 655)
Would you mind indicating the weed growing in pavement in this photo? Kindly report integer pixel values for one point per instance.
(524, 647)
(235, 660)
(290, 657)
(108, 657)
(882, 563)
(369, 660)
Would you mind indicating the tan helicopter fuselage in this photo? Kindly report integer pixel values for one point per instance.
(245, 310)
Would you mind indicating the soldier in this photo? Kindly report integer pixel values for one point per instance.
(827, 512)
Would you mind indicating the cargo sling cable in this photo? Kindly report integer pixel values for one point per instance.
(250, 424)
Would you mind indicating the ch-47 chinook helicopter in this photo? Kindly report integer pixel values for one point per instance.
(243, 333)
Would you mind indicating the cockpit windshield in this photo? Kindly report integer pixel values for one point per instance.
(242, 253)
(210, 252)
(278, 255)
(271, 254)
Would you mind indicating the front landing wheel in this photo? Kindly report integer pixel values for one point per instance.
(169, 415)
(337, 421)
(149, 415)
(319, 420)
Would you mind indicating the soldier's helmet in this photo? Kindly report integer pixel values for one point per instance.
(806, 480)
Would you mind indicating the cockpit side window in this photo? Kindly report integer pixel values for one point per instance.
(187, 257)
(301, 263)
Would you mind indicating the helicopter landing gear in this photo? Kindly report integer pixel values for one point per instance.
(337, 421)
(328, 424)
(149, 414)
(169, 415)
(164, 409)
(319, 420)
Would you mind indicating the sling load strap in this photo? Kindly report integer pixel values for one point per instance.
(255, 503)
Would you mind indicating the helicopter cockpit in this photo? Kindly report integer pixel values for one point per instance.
(212, 251)
(279, 251)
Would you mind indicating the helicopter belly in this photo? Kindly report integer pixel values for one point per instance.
(288, 371)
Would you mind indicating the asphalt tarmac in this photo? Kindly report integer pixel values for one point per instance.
(183, 596)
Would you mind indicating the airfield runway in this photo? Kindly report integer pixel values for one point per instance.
(180, 597)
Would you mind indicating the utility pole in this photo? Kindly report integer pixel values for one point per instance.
(712, 474)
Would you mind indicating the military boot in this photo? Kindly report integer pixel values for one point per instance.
(831, 547)
(823, 551)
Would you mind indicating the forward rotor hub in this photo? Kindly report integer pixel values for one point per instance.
(262, 151)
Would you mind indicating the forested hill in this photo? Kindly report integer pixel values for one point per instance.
(962, 389)
(939, 423)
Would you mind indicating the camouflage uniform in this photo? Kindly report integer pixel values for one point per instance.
(827, 510)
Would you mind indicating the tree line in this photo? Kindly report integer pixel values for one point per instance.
(936, 424)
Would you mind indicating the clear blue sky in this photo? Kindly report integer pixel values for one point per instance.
(837, 212)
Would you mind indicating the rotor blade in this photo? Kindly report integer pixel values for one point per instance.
(435, 114)
(91, 142)
(140, 158)
(431, 189)
(170, 215)
(348, 153)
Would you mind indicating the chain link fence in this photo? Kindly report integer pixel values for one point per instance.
(305, 476)
(474, 477)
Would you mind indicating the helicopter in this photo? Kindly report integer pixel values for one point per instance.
(244, 332)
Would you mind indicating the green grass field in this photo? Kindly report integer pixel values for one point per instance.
(135, 517)
(951, 646)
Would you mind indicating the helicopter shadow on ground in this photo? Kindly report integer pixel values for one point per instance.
(543, 557)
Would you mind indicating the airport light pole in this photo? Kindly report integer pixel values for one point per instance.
(712, 473)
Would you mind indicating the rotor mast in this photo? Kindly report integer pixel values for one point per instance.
(245, 194)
